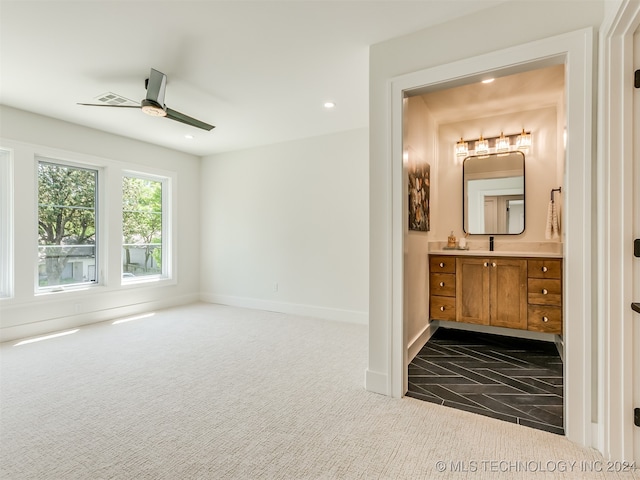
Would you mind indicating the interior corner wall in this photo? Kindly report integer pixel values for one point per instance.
(420, 144)
(28, 313)
(498, 28)
(285, 227)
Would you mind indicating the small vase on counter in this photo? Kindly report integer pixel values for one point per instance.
(451, 240)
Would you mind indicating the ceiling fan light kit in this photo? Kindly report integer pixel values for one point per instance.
(153, 109)
(153, 104)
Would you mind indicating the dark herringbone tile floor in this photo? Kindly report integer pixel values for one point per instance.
(511, 379)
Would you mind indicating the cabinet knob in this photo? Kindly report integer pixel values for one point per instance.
(486, 264)
(442, 284)
(441, 264)
(544, 269)
(545, 319)
(442, 309)
(544, 291)
(494, 264)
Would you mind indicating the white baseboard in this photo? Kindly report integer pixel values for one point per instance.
(46, 326)
(560, 346)
(376, 382)
(420, 340)
(336, 314)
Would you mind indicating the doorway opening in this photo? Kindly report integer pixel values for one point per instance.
(515, 374)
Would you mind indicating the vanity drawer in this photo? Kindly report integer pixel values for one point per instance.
(442, 264)
(443, 308)
(544, 319)
(543, 291)
(443, 284)
(545, 268)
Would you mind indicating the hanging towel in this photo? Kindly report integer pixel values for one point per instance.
(553, 227)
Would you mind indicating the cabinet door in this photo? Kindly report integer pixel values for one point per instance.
(472, 290)
(508, 292)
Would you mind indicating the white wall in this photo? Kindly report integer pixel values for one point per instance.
(483, 32)
(28, 313)
(293, 214)
(420, 141)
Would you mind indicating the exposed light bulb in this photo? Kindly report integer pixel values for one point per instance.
(329, 105)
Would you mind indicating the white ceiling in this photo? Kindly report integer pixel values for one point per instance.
(259, 71)
(527, 90)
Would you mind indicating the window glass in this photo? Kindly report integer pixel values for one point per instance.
(143, 252)
(67, 199)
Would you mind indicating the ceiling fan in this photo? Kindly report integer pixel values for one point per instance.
(154, 105)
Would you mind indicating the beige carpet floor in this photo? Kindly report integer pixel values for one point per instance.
(214, 392)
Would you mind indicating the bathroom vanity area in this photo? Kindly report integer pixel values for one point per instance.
(522, 292)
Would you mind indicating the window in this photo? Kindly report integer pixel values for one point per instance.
(67, 243)
(6, 238)
(144, 254)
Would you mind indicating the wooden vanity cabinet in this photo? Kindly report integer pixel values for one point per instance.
(442, 285)
(492, 291)
(545, 296)
(511, 292)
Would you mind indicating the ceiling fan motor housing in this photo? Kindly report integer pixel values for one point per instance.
(153, 108)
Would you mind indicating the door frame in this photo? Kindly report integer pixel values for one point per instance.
(615, 189)
(576, 51)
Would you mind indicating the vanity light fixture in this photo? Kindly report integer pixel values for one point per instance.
(482, 146)
(523, 142)
(502, 144)
(462, 148)
(329, 105)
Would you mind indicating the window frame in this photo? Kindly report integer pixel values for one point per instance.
(167, 228)
(99, 213)
(7, 283)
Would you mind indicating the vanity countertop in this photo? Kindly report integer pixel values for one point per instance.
(496, 253)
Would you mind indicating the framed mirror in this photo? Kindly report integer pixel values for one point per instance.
(493, 194)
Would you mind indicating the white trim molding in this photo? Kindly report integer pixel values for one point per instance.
(615, 213)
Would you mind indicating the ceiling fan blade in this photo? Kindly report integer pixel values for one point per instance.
(181, 117)
(107, 105)
(156, 87)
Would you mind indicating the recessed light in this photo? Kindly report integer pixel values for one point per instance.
(188, 136)
(329, 105)
(488, 80)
